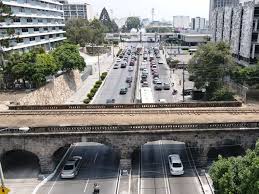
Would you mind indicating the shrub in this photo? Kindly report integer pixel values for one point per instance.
(223, 94)
(87, 101)
(93, 91)
(90, 96)
(96, 86)
(98, 82)
(103, 76)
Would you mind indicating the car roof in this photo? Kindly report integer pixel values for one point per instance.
(175, 158)
(70, 162)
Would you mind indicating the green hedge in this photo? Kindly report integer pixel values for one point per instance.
(103, 76)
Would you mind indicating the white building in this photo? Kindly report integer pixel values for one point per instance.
(198, 23)
(181, 22)
(75, 10)
(36, 23)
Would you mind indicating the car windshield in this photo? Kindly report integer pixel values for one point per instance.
(177, 165)
(68, 167)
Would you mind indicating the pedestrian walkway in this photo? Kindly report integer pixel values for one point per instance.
(106, 61)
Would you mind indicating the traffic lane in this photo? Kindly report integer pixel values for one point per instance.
(94, 167)
(184, 184)
(152, 172)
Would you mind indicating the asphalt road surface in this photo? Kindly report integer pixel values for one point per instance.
(100, 165)
(155, 175)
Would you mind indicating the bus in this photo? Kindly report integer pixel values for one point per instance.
(146, 96)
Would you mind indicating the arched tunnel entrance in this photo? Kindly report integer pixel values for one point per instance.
(19, 164)
(226, 150)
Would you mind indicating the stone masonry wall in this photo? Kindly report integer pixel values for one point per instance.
(55, 92)
(247, 26)
(227, 24)
(236, 24)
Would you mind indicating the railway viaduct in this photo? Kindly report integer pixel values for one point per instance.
(45, 141)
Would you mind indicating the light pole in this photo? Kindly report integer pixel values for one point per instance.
(183, 82)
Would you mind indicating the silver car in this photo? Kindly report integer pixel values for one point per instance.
(71, 168)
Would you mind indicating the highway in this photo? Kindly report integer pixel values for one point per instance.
(99, 165)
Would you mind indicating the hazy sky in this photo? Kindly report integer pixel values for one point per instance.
(165, 9)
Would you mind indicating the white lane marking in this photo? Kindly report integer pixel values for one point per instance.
(118, 182)
(96, 155)
(129, 190)
(60, 171)
(167, 185)
(86, 184)
(140, 166)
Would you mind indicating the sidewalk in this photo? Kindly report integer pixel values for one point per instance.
(105, 65)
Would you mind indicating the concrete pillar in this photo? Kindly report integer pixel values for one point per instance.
(253, 51)
(203, 156)
(46, 164)
(125, 164)
(125, 160)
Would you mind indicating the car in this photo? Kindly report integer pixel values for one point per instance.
(118, 60)
(129, 79)
(155, 80)
(153, 67)
(110, 101)
(155, 75)
(175, 165)
(160, 62)
(123, 91)
(159, 85)
(71, 168)
(166, 86)
(132, 63)
(123, 65)
(121, 56)
(162, 100)
(145, 72)
(130, 69)
(154, 71)
(144, 76)
(116, 66)
(144, 84)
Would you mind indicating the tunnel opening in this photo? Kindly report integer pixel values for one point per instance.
(20, 164)
(225, 151)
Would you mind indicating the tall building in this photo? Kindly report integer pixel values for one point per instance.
(72, 10)
(198, 23)
(239, 27)
(36, 23)
(181, 22)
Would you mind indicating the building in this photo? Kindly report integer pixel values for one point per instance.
(198, 24)
(239, 27)
(36, 23)
(182, 22)
(193, 39)
(72, 10)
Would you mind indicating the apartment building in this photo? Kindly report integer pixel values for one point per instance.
(198, 23)
(239, 27)
(36, 23)
(72, 10)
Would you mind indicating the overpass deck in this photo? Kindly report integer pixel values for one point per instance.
(90, 118)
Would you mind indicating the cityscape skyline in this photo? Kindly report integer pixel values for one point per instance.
(164, 10)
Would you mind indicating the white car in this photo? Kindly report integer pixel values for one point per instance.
(71, 168)
(118, 60)
(145, 71)
(162, 100)
(175, 164)
(130, 69)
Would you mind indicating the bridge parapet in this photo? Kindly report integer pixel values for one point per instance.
(135, 128)
(129, 106)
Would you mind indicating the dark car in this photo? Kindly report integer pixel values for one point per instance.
(123, 91)
(132, 63)
(123, 65)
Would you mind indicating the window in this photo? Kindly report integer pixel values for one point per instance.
(32, 38)
(21, 9)
(16, 20)
(53, 28)
(40, 20)
(24, 29)
(57, 35)
(36, 29)
(29, 20)
(42, 37)
(19, 40)
(50, 36)
(60, 27)
(45, 29)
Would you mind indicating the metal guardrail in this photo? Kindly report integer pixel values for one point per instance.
(125, 128)
(129, 106)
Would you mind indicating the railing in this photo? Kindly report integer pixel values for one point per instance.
(128, 106)
(127, 128)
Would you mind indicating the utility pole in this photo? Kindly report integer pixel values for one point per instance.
(99, 64)
(183, 82)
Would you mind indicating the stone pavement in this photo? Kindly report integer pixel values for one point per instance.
(106, 61)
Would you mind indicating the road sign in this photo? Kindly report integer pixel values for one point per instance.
(4, 190)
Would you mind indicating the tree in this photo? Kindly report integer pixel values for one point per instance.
(237, 175)
(67, 57)
(132, 22)
(210, 64)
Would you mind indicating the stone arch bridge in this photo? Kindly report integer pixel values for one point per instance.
(44, 141)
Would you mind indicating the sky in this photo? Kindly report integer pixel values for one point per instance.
(164, 9)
